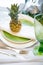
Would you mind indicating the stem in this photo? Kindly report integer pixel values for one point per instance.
(41, 47)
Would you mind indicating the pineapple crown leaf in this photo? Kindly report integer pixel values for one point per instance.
(14, 7)
(14, 11)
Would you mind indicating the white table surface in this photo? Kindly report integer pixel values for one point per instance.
(10, 60)
(27, 63)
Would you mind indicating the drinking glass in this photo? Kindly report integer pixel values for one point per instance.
(38, 27)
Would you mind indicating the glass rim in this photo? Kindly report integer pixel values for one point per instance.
(38, 15)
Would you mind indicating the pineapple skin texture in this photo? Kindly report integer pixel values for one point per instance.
(15, 27)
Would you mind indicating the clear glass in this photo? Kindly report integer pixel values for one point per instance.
(38, 21)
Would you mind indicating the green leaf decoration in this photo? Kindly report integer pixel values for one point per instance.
(14, 38)
(27, 22)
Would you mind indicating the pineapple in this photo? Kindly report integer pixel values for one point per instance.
(15, 24)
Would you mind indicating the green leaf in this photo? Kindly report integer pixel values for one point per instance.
(27, 22)
(14, 38)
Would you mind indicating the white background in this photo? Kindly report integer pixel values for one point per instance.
(7, 3)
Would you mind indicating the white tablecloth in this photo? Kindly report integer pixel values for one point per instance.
(27, 63)
(29, 59)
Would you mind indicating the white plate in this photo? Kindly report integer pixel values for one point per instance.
(26, 31)
(16, 45)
